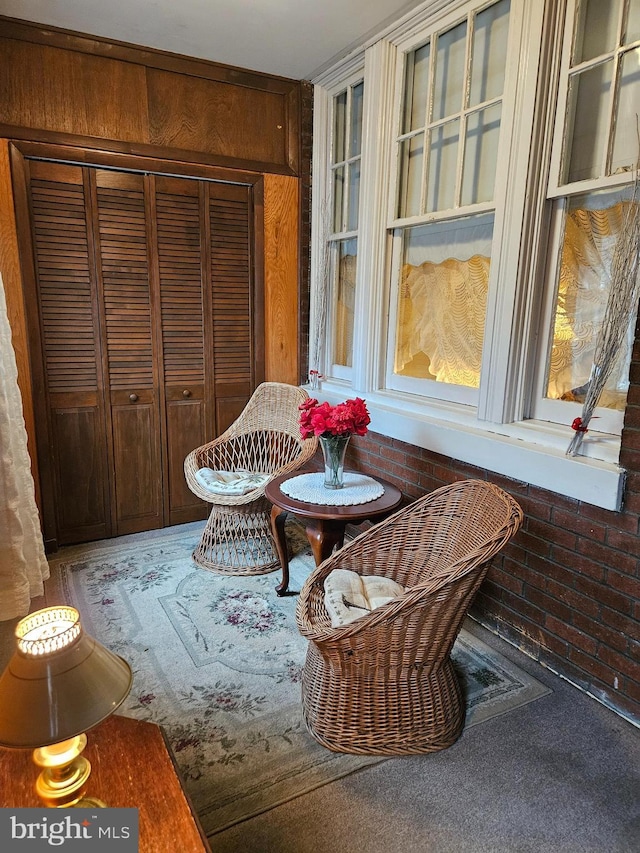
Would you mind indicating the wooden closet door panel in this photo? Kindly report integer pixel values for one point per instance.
(122, 242)
(181, 248)
(75, 434)
(232, 300)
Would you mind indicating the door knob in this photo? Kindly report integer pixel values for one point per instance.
(186, 393)
(133, 397)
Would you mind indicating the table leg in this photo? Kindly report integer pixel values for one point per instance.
(323, 537)
(278, 518)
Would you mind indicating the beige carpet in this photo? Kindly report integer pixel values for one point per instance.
(217, 662)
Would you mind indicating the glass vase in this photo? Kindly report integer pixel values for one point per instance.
(334, 448)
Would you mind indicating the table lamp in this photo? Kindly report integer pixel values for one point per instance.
(59, 682)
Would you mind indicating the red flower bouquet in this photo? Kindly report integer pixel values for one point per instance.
(344, 419)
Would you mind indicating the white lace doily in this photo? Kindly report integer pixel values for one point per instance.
(358, 489)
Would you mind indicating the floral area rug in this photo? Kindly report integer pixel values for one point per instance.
(217, 663)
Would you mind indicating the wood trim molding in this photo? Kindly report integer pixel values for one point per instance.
(150, 57)
(12, 278)
(281, 223)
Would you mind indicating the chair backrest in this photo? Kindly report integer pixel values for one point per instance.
(272, 406)
(439, 548)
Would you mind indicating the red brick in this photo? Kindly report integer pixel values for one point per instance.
(631, 435)
(621, 663)
(623, 583)
(630, 544)
(607, 556)
(523, 607)
(571, 634)
(615, 639)
(606, 517)
(580, 525)
(624, 624)
(533, 544)
(605, 595)
(504, 580)
(573, 599)
(593, 667)
(554, 499)
(580, 564)
(535, 509)
(550, 533)
(550, 606)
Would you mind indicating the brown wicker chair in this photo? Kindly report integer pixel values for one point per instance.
(264, 439)
(385, 683)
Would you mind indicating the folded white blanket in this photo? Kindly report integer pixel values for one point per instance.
(230, 482)
(348, 595)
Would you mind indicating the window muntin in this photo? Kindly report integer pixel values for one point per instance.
(450, 118)
(599, 145)
(452, 92)
(600, 79)
(346, 147)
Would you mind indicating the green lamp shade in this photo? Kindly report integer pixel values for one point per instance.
(59, 682)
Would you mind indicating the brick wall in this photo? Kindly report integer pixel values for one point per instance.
(566, 590)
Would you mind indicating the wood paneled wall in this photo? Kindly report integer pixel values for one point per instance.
(281, 276)
(144, 101)
(101, 99)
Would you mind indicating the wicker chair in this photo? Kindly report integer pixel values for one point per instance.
(385, 683)
(264, 439)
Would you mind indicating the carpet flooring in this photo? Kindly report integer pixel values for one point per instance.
(217, 660)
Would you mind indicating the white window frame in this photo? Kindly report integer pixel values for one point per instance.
(498, 436)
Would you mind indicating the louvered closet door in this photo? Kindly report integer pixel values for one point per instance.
(122, 243)
(185, 315)
(76, 462)
(233, 309)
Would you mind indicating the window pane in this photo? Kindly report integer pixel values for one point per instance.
(625, 143)
(339, 127)
(354, 194)
(411, 157)
(345, 300)
(491, 29)
(416, 88)
(449, 83)
(443, 157)
(442, 300)
(633, 23)
(588, 122)
(338, 193)
(357, 94)
(596, 30)
(481, 155)
(591, 227)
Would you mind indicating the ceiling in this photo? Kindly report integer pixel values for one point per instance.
(290, 38)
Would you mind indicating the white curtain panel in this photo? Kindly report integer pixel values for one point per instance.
(23, 565)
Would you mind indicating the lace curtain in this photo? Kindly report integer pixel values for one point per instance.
(441, 314)
(583, 292)
(23, 566)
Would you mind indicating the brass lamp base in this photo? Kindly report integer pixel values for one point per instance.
(65, 773)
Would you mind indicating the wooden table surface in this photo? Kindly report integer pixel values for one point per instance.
(131, 767)
(324, 523)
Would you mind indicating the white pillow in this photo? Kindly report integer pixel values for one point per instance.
(348, 595)
(229, 482)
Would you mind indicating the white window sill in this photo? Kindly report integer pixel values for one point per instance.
(530, 451)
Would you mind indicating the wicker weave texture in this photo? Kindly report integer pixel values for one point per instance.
(385, 684)
(264, 439)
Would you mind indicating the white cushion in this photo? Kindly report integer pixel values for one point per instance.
(229, 482)
(348, 595)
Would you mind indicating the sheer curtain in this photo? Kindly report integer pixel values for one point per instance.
(23, 566)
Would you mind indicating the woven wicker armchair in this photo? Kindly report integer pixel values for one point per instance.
(265, 439)
(385, 683)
